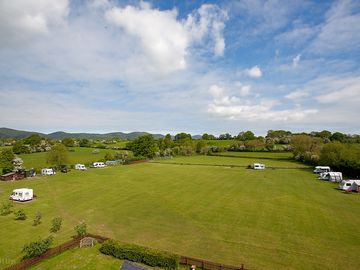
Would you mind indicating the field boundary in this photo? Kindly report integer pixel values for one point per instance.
(204, 264)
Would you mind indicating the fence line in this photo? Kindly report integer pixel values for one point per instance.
(205, 265)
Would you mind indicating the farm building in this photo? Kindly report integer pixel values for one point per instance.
(259, 166)
(331, 176)
(22, 194)
(12, 176)
(322, 169)
(350, 185)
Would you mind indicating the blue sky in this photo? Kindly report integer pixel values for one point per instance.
(174, 66)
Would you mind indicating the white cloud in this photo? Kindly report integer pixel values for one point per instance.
(22, 20)
(254, 72)
(299, 94)
(296, 60)
(257, 109)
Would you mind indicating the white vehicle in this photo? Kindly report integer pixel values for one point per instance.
(47, 171)
(322, 169)
(98, 165)
(331, 176)
(350, 185)
(22, 194)
(80, 167)
(259, 166)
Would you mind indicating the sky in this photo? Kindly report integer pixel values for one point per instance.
(180, 66)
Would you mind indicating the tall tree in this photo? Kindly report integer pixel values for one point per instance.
(58, 155)
(6, 160)
(144, 146)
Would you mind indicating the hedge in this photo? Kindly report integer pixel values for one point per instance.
(140, 254)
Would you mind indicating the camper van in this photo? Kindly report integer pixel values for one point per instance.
(322, 169)
(259, 166)
(331, 176)
(98, 165)
(80, 167)
(47, 171)
(350, 185)
(22, 194)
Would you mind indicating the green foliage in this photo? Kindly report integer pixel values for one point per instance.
(20, 148)
(5, 208)
(6, 160)
(84, 143)
(182, 136)
(338, 136)
(144, 146)
(58, 155)
(68, 142)
(20, 215)
(33, 139)
(36, 248)
(140, 254)
(109, 156)
(37, 219)
(225, 136)
(206, 136)
(56, 224)
(246, 136)
(80, 229)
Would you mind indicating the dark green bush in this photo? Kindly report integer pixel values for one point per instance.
(5, 208)
(140, 254)
(56, 224)
(20, 215)
(36, 248)
(80, 229)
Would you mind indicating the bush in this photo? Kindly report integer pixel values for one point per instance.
(56, 224)
(140, 254)
(6, 208)
(37, 219)
(36, 248)
(20, 215)
(80, 229)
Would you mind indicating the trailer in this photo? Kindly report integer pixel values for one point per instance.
(331, 176)
(48, 171)
(80, 167)
(322, 169)
(350, 185)
(259, 166)
(98, 165)
(22, 194)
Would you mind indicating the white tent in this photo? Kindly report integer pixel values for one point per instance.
(331, 176)
(22, 194)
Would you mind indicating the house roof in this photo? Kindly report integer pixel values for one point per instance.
(8, 174)
(127, 265)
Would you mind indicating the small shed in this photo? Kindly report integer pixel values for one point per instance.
(12, 176)
(127, 265)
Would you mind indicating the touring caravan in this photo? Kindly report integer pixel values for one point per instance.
(350, 185)
(331, 176)
(22, 194)
(47, 171)
(259, 166)
(322, 169)
(80, 167)
(98, 165)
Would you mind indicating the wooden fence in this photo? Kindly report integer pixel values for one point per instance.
(207, 265)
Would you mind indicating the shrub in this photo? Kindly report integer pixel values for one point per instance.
(36, 248)
(37, 219)
(56, 224)
(20, 215)
(6, 208)
(80, 229)
(140, 254)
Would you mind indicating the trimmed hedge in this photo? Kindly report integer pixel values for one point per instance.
(140, 254)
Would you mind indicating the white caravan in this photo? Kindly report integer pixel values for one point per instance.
(331, 176)
(80, 167)
(322, 169)
(48, 171)
(350, 185)
(22, 194)
(98, 165)
(259, 166)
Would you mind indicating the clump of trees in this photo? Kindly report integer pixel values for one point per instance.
(58, 155)
(36, 248)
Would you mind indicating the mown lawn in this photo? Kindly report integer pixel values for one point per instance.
(272, 219)
(76, 155)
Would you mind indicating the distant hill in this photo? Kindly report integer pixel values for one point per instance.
(6, 133)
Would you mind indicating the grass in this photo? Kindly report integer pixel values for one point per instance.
(76, 155)
(272, 219)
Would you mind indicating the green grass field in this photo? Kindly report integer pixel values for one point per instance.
(77, 155)
(272, 219)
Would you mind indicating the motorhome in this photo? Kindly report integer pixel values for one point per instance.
(22, 194)
(98, 165)
(331, 176)
(80, 167)
(259, 166)
(322, 169)
(47, 171)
